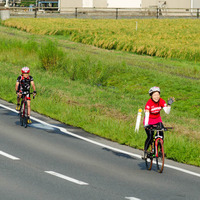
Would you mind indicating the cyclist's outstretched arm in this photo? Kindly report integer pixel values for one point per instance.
(167, 109)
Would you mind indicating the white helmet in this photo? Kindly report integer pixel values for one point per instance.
(154, 89)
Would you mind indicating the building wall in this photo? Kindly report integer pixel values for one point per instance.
(87, 3)
(169, 3)
(100, 3)
(178, 4)
(196, 4)
(149, 3)
(124, 3)
(70, 4)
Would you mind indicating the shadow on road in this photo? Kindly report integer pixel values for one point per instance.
(118, 153)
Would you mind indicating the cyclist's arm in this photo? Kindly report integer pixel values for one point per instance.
(17, 86)
(146, 122)
(33, 85)
(167, 109)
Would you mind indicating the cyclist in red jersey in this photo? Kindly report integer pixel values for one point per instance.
(152, 113)
(24, 82)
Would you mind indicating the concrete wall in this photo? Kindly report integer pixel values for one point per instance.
(169, 3)
(4, 14)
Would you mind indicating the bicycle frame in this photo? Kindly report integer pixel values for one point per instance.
(158, 144)
(23, 112)
(23, 103)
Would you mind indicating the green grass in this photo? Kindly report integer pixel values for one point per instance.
(101, 91)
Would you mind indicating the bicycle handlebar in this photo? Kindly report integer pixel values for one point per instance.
(158, 128)
(26, 92)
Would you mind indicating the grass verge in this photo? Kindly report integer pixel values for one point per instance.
(101, 91)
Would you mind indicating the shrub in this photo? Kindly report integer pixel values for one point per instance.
(50, 55)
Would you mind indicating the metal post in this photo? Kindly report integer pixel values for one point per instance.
(197, 12)
(76, 12)
(35, 12)
(157, 13)
(117, 13)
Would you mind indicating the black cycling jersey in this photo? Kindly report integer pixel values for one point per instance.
(24, 83)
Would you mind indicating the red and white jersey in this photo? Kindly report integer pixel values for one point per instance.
(154, 110)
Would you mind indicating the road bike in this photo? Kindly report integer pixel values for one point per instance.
(156, 148)
(23, 112)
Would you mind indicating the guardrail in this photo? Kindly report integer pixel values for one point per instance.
(97, 13)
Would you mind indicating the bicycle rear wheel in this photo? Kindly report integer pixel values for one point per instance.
(149, 157)
(160, 158)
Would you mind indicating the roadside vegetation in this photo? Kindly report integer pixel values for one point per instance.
(167, 38)
(101, 91)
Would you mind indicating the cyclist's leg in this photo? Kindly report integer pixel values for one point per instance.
(149, 139)
(29, 109)
(148, 159)
(18, 102)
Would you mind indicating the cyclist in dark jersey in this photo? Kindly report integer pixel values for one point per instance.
(23, 84)
(152, 113)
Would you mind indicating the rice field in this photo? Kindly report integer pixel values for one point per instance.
(168, 38)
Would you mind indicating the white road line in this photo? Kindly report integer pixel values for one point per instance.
(66, 178)
(132, 198)
(9, 156)
(182, 170)
(103, 145)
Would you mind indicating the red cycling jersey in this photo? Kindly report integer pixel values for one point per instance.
(154, 110)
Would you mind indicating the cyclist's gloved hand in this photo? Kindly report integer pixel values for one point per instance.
(17, 91)
(170, 101)
(34, 92)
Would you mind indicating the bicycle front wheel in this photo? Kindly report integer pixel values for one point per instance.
(21, 118)
(25, 122)
(160, 158)
(24, 114)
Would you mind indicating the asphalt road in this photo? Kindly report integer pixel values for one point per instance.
(48, 162)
